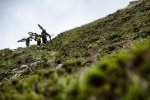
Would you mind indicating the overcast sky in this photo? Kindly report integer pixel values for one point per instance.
(18, 17)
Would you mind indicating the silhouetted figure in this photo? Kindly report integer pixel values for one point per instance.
(38, 39)
(27, 40)
(58, 64)
(44, 35)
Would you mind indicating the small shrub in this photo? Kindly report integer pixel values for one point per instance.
(72, 63)
(136, 92)
(144, 32)
(113, 36)
(21, 87)
(93, 79)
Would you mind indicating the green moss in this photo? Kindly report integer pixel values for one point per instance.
(111, 77)
(113, 36)
(93, 78)
(72, 65)
(144, 32)
(136, 92)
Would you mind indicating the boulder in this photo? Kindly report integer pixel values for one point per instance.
(24, 66)
(16, 69)
(59, 65)
(36, 63)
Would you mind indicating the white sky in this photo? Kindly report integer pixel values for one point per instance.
(18, 17)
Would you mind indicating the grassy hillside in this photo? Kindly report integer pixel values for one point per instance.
(122, 76)
(107, 35)
(107, 59)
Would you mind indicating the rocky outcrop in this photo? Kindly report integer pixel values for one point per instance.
(133, 3)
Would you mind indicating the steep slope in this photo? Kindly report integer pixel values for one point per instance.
(123, 76)
(106, 35)
(107, 59)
